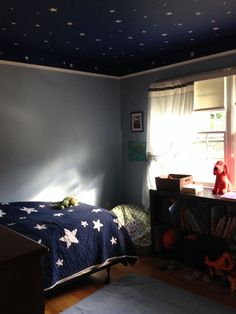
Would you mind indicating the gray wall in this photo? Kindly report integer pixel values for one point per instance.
(60, 134)
(134, 97)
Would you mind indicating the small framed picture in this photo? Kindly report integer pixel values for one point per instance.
(136, 119)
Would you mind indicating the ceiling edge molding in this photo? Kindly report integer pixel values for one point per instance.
(175, 65)
(159, 69)
(54, 69)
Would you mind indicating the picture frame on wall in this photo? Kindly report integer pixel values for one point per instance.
(136, 120)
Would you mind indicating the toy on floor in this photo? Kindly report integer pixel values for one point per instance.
(222, 183)
(223, 264)
(232, 281)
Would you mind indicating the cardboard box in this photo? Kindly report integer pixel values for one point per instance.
(173, 182)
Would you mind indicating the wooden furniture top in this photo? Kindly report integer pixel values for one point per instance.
(206, 194)
(15, 246)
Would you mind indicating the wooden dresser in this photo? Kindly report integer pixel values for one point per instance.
(21, 285)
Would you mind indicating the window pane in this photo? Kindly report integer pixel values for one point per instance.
(207, 149)
(209, 121)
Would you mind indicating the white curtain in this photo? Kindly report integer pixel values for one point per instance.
(168, 131)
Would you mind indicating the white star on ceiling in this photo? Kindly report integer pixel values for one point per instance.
(97, 225)
(52, 10)
(29, 210)
(69, 237)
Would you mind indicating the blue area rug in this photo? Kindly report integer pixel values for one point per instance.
(135, 294)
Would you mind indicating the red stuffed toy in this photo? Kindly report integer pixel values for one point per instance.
(222, 183)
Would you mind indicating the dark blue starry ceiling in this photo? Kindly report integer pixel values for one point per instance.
(114, 37)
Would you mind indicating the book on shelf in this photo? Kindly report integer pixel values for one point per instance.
(192, 188)
(229, 195)
(232, 229)
(220, 227)
(227, 227)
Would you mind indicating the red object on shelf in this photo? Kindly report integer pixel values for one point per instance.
(169, 238)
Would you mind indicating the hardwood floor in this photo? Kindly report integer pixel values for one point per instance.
(150, 266)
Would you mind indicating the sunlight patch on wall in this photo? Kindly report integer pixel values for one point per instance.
(71, 183)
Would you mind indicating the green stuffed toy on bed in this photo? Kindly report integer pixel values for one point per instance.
(67, 202)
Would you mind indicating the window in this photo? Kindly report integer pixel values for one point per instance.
(214, 128)
(191, 124)
(208, 144)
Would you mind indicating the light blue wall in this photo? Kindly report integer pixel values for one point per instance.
(63, 133)
(134, 97)
(60, 134)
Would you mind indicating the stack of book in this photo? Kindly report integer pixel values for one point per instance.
(193, 219)
(192, 188)
(226, 228)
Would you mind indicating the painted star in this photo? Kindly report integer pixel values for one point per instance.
(40, 227)
(22, 217)
(52, 10)
(70, 210)
(42, 206)
(59, 262)
(97, 225)
(4, 203)
(96, 210)
(113, 240)
(118, 223)
(29, 210)
(69, 237)
(84, 224)
(2, 213)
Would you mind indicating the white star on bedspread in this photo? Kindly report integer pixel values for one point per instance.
(69, 237)
(84, 223)
(59, 262)
(97, 225)
(11, 224)
(22, 217)
(4, 203)
(113, 240)
(42, 206)
(40, 227)
(118, 223)
(96, 210)
(58, 215)
(2, 213)
(29, 210)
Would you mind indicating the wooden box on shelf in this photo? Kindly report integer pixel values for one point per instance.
(173, 182)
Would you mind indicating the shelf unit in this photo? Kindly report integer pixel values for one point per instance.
(202, 215)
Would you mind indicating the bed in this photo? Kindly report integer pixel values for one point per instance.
(79, 239)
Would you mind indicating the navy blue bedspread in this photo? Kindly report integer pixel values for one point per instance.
(79, 238)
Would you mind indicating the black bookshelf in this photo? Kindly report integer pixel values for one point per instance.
(204, 214)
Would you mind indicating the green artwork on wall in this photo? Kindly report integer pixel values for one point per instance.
(137, 151)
